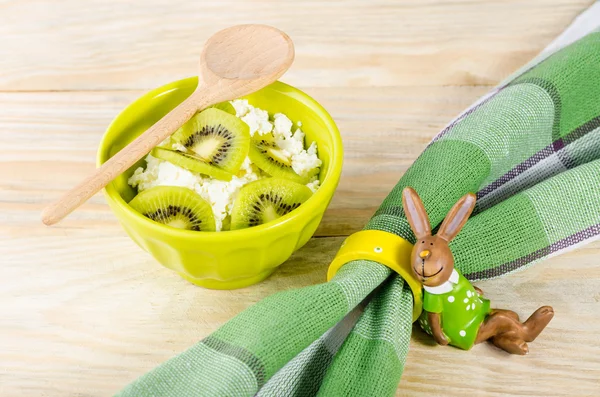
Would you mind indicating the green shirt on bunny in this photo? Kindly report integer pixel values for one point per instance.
(461, 310)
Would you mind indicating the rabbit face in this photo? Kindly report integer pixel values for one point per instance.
(432, 261)
(431, 258)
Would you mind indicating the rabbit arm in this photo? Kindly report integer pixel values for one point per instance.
(436, 328)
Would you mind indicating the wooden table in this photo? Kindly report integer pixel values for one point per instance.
(83, 311)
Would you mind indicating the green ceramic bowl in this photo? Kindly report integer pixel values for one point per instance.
(230, 259)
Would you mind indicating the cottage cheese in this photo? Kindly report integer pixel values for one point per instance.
(292, 143)
(257, 119)
(221, 194)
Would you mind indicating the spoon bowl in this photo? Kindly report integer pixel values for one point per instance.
(226, 56)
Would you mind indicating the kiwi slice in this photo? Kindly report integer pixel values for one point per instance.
(265, 200)
(226, 107)
(190, 162)
(174, 206)
(269, 157)
(216, 138)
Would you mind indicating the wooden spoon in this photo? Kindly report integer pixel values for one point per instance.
(234, 62)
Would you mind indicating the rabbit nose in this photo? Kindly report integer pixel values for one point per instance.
(424, 254)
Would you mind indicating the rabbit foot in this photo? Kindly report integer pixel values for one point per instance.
(511, 345)
(536, 323)
(499, 322)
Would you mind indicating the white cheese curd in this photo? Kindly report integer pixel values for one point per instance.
(258, 121)
(306, 161)
(303, 161)
(282, 126)
(161, 173)
(314, 184)
(241, 106)
(292, 144)
(222, 194)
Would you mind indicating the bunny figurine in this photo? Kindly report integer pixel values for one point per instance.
(454, 311)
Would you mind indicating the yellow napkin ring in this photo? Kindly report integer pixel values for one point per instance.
(386, 248)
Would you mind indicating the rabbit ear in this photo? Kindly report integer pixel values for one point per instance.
(415, 213)
(457, 217)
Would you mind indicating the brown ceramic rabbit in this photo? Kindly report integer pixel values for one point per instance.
(455, 312)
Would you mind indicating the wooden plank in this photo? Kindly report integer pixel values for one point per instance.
(383, 130)
(74, 45)
(88, 312)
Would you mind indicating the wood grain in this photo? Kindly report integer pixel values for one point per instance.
(84, 311)
(118, 45)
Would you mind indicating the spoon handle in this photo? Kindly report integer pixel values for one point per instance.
(124, 159)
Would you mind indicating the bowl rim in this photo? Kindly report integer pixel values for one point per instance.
(324, 192)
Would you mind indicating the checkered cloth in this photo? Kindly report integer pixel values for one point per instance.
(531, 151)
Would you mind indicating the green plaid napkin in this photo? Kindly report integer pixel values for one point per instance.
(531, 151)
